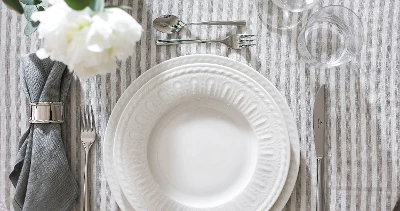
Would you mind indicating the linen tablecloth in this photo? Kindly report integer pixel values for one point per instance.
(363, 99)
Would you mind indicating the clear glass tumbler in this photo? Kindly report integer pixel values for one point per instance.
(332, 36)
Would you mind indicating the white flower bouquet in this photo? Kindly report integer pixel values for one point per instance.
(83, 34)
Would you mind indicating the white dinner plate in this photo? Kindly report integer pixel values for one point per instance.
(202, 136)
(131, 90)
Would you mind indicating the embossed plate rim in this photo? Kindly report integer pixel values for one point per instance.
(224, 73)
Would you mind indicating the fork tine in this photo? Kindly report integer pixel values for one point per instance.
(89, 119)
(246, 40)
(92, 123)
(246, 45)
(249, 44)
(246, 35)
(83, 118)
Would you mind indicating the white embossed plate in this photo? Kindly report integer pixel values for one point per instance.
(202, 136)
(108, 142)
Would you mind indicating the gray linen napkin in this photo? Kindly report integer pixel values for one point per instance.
(41, 175)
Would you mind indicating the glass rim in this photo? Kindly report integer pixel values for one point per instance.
(308, 7)
(338, 6)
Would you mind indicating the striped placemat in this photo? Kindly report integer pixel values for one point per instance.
(363, 98)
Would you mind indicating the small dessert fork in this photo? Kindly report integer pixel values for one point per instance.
(88, 136)
(236, 41)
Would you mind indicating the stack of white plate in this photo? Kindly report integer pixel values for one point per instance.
(201, 132)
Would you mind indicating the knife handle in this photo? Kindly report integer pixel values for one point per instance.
(320, 183)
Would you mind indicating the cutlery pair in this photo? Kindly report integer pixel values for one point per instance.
(171, 24)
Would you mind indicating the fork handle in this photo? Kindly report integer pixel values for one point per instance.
(179, 41)
(85, 185)
(235, 23)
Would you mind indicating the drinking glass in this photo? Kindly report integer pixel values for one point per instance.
(332, 36)
(284, 14)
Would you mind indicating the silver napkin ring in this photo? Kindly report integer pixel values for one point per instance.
(47, 112)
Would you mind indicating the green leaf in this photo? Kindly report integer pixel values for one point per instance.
(78, 4)
(31, 2)
(31, 27)
(29, 10)
(119, 6)
(97, 5)
(14, 5)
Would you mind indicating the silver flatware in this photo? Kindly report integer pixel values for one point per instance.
(172, 24)
(319, 138)
(237, 41)
(88, 136)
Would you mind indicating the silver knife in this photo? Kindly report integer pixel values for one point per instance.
(319, 138)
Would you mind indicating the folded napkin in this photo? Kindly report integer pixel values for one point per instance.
(41, 175)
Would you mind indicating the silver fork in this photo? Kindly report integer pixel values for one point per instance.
(237, 41)
(88, 136)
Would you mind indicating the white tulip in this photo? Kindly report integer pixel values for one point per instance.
(89, 43)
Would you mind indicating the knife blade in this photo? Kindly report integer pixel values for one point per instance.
(319, 139)
(319, 121)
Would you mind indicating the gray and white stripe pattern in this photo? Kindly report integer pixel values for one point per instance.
(363, 97)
